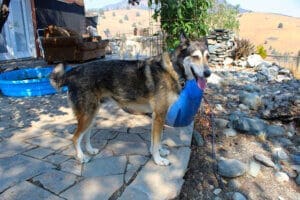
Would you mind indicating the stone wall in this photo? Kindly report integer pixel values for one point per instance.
(220, 45)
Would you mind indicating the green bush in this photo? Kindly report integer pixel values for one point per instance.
(188, 16)
(260, 50)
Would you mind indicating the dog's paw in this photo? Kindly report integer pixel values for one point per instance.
(161, 161)
(84, 158)
(164, 152)
(93, 151)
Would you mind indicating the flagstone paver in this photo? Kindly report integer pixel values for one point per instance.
(37, 157)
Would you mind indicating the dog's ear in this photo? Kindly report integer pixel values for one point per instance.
(183, 38)
(203, 40)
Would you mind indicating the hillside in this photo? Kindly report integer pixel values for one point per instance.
(262, 28)
(118, 24)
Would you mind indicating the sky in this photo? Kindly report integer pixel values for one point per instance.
(286, 7)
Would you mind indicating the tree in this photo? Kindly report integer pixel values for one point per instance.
(177, 16)
(223, 16)
(4, 11)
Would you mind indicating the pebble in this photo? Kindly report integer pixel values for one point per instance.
(217, 191)
(275, 131)
(238, 196)
(229, 132)
(280, 155)
(231, 168)
(281, 177)
(254, 168)
(264, 160)
(221, 123)
(234, 184)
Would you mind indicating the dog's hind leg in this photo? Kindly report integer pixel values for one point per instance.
(83, 126)
(88, 145)
(157, 127)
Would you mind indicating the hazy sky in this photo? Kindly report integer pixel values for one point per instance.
(286, 7)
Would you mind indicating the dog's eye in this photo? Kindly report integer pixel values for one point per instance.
(207, 56)
(195, 56)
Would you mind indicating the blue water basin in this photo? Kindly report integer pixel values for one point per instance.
(27, 82)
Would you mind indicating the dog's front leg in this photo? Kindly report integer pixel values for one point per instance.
(157, 127)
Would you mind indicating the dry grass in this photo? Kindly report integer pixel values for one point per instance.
(112, 18)
(262, 29)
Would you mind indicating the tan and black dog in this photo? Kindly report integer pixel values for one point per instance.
(149, 86)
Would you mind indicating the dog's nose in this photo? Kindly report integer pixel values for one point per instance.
(207, 73)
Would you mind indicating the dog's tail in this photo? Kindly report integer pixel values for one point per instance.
(57, 77)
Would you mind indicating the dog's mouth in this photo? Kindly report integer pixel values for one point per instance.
(201, 81)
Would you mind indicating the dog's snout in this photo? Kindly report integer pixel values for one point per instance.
(207, 73)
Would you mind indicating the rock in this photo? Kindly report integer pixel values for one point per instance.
(243, 63)
(198, 138)
(221, 123)
(298, 180)
(252, 126)
(228, 61)
(215, 79)
(252, 100)
(280, 155)
(238, 196)
(231, 168)
(254, 60)
(264, 160)
(275, 131)
(254, 168)
(234, 184)
(252, 88)
(281, 177)
(296, 159)
(229, 132)
(217, 191)
(281, 141)
(243, 107)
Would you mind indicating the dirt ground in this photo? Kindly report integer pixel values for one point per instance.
(202, 179)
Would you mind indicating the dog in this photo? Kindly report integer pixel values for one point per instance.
(142, 86)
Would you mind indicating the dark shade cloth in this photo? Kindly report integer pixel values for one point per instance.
(53, 12)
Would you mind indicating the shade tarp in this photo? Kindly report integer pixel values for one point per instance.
(65, 13)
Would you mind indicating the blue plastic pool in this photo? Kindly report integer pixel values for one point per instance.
(181, 112)
(27, 82)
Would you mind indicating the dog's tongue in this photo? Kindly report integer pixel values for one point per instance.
(201, 83)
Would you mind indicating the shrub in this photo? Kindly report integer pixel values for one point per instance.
(126, 18)
(121, 21)
(260, 50)
(134, 25)
(280, 25)
(243, 48)
(113, 14)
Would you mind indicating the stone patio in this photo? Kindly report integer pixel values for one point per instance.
(37, 156)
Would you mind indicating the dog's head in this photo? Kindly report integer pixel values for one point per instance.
(191, 58)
